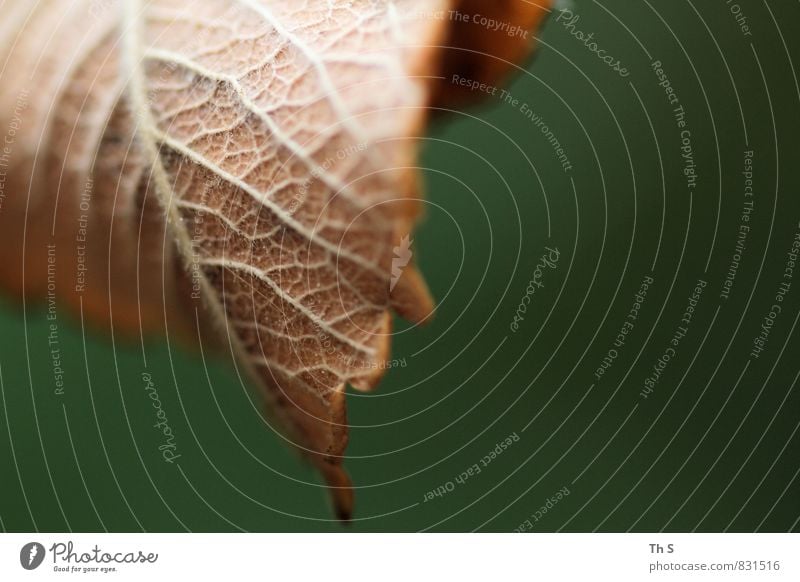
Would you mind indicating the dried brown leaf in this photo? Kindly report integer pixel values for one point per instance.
(234, 170)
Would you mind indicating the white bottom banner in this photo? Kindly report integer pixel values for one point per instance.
(401, 557)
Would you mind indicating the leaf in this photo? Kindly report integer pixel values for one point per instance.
(239, 172)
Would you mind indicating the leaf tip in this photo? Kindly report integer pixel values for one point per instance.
(341, 492)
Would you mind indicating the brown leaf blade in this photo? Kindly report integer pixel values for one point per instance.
(238, 170)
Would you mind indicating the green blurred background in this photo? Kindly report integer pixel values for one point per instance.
(714, 446)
